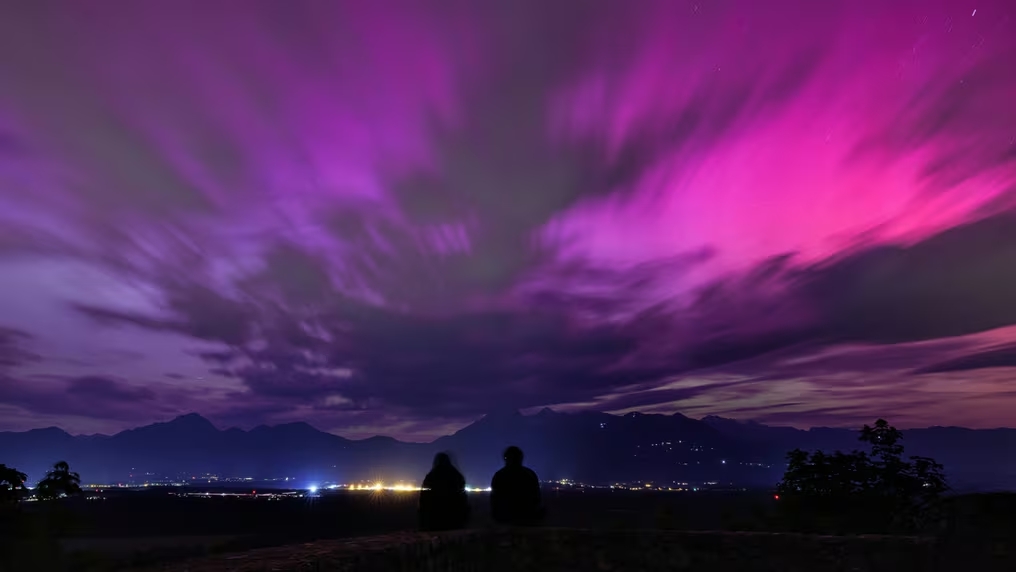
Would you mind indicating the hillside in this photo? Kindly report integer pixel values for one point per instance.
(590, 447)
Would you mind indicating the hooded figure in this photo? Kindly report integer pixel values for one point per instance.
(515, 492)
(443, 502)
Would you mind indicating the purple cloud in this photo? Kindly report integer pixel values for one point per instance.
(11, 351)
(1003, 357)
(406, 213)
(88, 396)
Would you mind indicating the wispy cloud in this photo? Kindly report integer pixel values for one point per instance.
(403, 211)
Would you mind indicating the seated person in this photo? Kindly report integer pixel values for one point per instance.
(443, 502)
(515, 492)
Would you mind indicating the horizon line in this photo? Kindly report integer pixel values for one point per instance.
(223, 429)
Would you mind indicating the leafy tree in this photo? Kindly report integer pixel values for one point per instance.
(12, 483)
(28, 539)
(911, 487)
(888, 490)
(59, 482)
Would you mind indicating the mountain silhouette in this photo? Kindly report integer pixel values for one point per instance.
(586, 446)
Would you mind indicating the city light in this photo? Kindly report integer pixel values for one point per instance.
(398, 487)
(378, 487)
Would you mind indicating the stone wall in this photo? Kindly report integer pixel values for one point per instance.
(497, 550)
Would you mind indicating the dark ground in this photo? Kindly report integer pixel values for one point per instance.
(369, 512)
(140, 527)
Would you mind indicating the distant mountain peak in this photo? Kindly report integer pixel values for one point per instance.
(49, 431)
(296, 425)
(546, 412)
(719, 419)
(192, 420)
(292, 427)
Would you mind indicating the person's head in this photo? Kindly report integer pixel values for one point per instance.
(513, 456)
(442, 460)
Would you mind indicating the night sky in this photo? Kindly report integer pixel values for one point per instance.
(393, 217)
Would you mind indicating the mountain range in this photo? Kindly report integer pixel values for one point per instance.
(587, 447)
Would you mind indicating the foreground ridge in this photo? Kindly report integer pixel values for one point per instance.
(562, 549)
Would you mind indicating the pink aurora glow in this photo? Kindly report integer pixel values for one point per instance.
(399, 214)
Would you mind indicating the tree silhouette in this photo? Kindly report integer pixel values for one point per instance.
(889, 491)
(59, 482)
(12, 483)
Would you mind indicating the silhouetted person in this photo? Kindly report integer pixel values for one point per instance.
(443, 502)
(515, 492)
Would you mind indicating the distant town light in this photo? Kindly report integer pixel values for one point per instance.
(312, 489)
